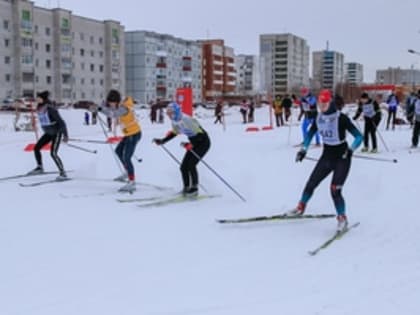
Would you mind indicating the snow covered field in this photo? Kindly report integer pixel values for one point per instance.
(72, 249)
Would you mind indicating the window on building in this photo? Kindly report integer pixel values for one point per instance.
(101, 68)
(36, 62)
(66, 63)
(47, 47)
(27, 59)
(92, 67)
(92, 53)
(7, 77)
(82, 36)
(66, 93)
(101, 54)
(6, 25)
(101, 40)
(83, 95)
(115, 36)
(26, 42)
(92, 81)
(65, 23)
(6, 42)
(27, 77)
(48, 63)
(36, 29)
(82, 52)
(48, 79)
(36, 46)
(47, 31)
(82, 66)
(92, 40)
(7, 60)
(36, 79)
(26, 23)
(66, 78)
(82, 81)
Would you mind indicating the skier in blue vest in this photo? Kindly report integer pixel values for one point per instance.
(309, 111)
(392, 102)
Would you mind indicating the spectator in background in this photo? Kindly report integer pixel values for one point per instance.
(392, 102)
(286, 104)
(251, 109)
(218, 112)
(87, 118)
(278, 110)
(153, 112)
(243, 110)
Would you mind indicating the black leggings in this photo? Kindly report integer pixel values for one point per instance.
(55, 144)
(370, 130)
(391, 115)
(190, 161)
(340, 168)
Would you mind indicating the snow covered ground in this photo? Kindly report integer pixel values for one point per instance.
(71, 248)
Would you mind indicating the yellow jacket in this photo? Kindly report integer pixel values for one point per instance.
(278, 109)
(128, 122)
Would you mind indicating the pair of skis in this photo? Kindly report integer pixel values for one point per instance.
(160, 201)
(38, 183)
(336, 236)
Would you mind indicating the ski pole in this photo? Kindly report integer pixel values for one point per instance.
(178, 162)
(81, 148)
(375, 158)
(217, 175)
(380, 136)
(102, 124)
(88, 141)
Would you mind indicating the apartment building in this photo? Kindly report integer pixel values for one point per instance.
(398, 76)
(285, 63)
(353, 73)
(158, 64)
(248, 75)
(73, 57)
(328, 69)
(219, 73)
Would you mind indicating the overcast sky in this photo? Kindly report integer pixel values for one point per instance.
(376, 33)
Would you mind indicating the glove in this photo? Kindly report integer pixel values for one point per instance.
(187, 146)
(348, 154)
(300, 155)
(65, 139)
(158, 141)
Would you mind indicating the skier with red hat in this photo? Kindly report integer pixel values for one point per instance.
(336, 156)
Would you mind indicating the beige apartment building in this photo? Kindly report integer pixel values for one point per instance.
(75, 58)
(285, 63)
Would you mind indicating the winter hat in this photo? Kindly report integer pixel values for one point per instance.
(113, 96)
(304, 91)
(43, 95)
(364, 95)
(324, 96)
(176, 109)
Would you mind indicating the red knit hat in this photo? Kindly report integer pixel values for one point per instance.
(324, 96)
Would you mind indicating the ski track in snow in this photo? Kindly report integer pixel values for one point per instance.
(93, 255)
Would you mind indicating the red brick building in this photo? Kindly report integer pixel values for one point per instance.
(219, 74)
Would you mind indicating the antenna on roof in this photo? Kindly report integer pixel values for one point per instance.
(328, 45)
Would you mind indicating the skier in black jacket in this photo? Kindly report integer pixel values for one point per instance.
(372, 116)
(54, 129)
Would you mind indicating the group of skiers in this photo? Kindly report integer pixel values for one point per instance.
(55, 130)
(322, 119)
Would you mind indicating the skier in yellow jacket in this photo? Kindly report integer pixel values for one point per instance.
(124, 112)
